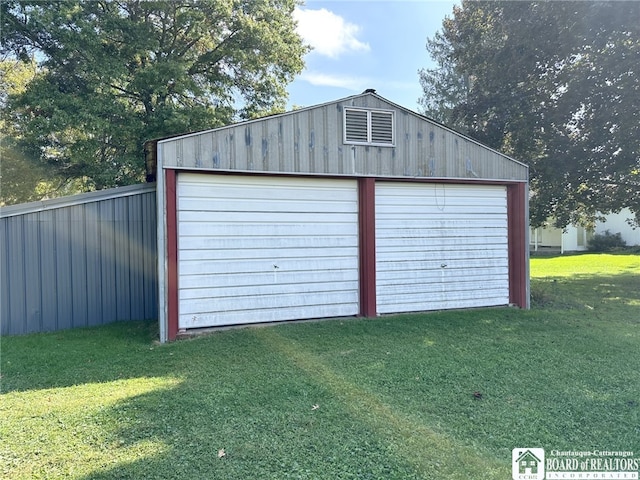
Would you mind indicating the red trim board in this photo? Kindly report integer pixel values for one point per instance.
(172, 254)
(367, 226)
(517, 226)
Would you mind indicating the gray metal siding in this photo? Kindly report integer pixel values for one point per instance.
(310, 141)
(86, 261)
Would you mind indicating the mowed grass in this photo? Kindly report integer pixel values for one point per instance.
(443, 395)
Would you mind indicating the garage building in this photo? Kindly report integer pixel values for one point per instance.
(357, 207)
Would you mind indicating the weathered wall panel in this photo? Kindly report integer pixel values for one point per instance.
(79, 261)
(310, 141)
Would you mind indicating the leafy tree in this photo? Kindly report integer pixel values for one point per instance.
(22, 178)
(554, 84)
(113, 74)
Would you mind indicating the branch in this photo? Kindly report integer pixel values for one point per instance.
(208, 57)
(129, 94)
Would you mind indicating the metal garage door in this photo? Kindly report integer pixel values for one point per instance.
(440, 246)
(261, 249)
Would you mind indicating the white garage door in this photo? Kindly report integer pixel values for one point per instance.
(261, 249)
(440, 246)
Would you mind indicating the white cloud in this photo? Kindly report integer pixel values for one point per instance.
(335, 80)
(329, 34)
(356, 83)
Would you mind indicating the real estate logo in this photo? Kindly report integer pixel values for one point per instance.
(527, 463)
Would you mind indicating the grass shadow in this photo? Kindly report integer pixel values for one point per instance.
(392, 397)
(615, 294)
(245, 412)
(82, 355)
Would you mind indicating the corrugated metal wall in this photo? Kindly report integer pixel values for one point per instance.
(80, 261)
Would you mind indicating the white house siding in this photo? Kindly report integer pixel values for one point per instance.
(617, 223)
(259, 249)
(576, 238)
(440, 246)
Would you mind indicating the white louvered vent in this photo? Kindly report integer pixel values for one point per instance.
(356, 126)
(368, 127)
(381, 127)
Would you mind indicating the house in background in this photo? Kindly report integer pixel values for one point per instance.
(576, 238)
(552, 239)
(617, 223)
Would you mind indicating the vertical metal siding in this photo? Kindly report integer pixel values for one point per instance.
(16, 285)
(122, 258)
(92, 238)
(150, 262)
(89, 262)
(107, 268)
(63, 287)
(310, 141)
(46, 248)
(4, 274)
(78, 257)
(32, 277)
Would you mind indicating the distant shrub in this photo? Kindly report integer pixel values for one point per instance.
(605, 242)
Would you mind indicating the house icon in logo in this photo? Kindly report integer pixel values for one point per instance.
(528, 463)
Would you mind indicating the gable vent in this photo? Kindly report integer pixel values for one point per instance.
(356, 125)
(368, 127)
(382, 127)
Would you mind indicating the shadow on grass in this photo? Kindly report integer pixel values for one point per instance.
(387, 398)
(615, 294)
(83, 355)
(245, 412)
(382, 398)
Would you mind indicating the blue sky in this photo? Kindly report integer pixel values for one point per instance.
(365, 44)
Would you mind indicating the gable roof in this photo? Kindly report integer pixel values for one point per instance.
(527, 454)
(310, 141)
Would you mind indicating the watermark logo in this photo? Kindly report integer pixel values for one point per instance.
(527, 463)
(531, 464)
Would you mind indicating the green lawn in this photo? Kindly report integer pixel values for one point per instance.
(388, 398)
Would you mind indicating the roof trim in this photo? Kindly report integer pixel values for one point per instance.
(254, 120)
(79, 199)
(451, 130)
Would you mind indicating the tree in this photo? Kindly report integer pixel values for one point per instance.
(22, 178)
(554, 84)
(113, 74)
